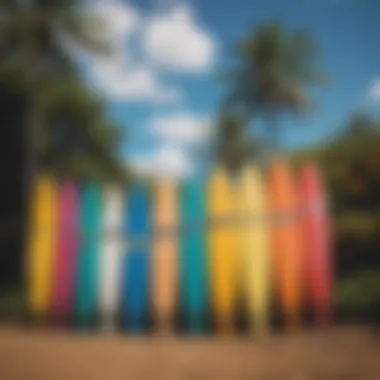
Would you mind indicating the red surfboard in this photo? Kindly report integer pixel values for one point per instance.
(63, 277)
(317, 261)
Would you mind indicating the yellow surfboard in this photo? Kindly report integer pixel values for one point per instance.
(40, 250)
(223, 248)
(255, 248)
(164, 260)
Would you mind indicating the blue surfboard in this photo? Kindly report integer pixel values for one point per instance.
(87, 260)
(136, 260)
(193, 263)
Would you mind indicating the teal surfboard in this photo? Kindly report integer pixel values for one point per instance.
(88, 257)
(193, 263)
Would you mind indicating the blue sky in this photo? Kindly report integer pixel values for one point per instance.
(162, 83)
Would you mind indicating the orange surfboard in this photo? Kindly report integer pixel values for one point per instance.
(285, 240)
(164, 261)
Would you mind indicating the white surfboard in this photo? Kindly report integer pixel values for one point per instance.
(111, 257)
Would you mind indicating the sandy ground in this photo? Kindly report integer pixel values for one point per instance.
(345, 353)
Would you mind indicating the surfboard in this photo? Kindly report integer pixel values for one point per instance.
(255, 248)
(88, 255)
(317, 262)
(285, 240)
(66, 249)
(41, 247)
(224, 248)
(111, 257)
(136, 264)
(193, 261)
(164, 254)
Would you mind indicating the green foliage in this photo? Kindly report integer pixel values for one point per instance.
(234, 147)
(69, 134)
(74, 139)
(358, 294)
(12, 305)
(351, 165)
(361, 224)
(33, 33)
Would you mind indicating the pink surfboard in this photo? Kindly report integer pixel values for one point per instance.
(317, 260)
(65, 252)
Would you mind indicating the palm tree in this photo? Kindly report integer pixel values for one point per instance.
(275, 68)
(361, 124)
(75, 141)
(234, 147)
(33, 56)
(33, 34)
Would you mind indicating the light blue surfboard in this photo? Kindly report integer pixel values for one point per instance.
(193, 263)
(88, 255)
(136, 260)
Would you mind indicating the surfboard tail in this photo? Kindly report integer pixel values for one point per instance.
(135, 323)
(61, 317)
(292, 319)
(37, 316)
(224, 325)
(164, 326)
(323, 314)
(196, 323)
(108, 325)
(83, 321)
(107, 321)
(259, 324)
(322, 319)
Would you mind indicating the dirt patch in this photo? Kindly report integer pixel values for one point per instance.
(339, 354)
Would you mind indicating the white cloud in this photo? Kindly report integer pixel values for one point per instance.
(375, 91)
(183, 128)
(175, 41)
(176, 134)
(119, 76)
(141, 46)
(166, 160)
(136, 83)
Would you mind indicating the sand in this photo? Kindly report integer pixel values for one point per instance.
(346, 353)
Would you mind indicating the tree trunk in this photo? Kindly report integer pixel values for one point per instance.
(12, 190)
(274, 134)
